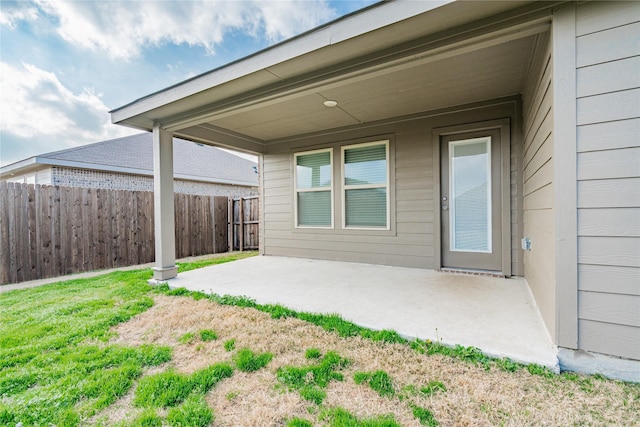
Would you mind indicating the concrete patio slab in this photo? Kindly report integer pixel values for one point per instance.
(496, 315)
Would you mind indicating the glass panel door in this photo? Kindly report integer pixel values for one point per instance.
(470, 190)
(471, 200)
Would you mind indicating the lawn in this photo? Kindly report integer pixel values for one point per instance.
(112, 350)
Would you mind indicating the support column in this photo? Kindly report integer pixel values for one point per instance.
(563, 32)
(164, 221)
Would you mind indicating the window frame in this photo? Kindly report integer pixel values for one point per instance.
(297, 190)
(386, 185)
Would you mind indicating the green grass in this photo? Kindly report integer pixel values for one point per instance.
(247, 361)
(433, 387)
(424, 415)
(540, 370)
(208, 335)
(56, 367)
(230, 345)
(379, 381)
(299, 422)
(339, 417)
(313, 394)
(205, 379)
(192, 265)
(312, 379)
(162, 390)
(148, 418)
(187, 338)
(167, 389)
(312, 353)
(194, 412)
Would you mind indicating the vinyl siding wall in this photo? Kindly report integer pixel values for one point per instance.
(42, 177)
(538, 191)
(410, 242)
(608, 169)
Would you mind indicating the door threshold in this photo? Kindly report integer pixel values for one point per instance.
(472, 272)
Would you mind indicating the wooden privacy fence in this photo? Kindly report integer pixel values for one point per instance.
(243, 230)
(48, 231)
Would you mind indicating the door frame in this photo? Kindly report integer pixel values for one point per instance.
(504, 125)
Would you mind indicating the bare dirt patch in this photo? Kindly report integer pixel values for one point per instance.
(474, 396)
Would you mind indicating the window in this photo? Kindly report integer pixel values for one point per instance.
(365, 196)
(314, 189)
(470, 187)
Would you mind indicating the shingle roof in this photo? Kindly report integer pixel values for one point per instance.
(136, 152)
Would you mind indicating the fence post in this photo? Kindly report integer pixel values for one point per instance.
(241, 226)
(5, 264)
(230, 225)
(214, 222)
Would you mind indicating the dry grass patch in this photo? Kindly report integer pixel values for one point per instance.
(466, 394)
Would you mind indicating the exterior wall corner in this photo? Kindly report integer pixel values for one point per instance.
(564, 152)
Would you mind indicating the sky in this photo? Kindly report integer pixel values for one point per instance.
(65, 64)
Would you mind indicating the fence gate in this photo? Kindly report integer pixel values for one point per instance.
(243, 229)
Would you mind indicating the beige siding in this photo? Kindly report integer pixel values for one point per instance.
(539, 225)
(608, 168)
(410, 242)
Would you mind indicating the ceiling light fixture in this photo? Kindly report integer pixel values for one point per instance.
(329, 103)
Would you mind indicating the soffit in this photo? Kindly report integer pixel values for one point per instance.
(385, 37)
(483, 74)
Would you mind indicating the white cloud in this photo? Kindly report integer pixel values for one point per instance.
(123, 28)
(10, 16)
(36, 104)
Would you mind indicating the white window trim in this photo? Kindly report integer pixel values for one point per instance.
(297, 190)
(345, 187)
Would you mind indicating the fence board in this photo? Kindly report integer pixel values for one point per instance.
(31, 230)
(37, 207)
(132, 217)
(13, 246)
(220, 207)
(65, 231)
(55, 231)
(18, 232)
(99, 228)
(5, 265)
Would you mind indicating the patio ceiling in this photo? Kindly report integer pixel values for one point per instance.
(375, 68)
(479, 75)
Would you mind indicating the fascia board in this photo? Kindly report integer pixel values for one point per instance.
(19, 165)
(216, 180)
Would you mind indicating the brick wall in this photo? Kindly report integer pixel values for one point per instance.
(86, 178)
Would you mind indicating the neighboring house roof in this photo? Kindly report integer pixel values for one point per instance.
(134, 155)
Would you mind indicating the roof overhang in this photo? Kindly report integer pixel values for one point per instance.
(34, 164)
(25, 166)
(393, 59)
